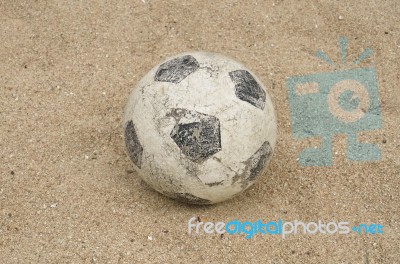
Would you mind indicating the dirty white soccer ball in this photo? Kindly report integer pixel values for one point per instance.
(200, 128)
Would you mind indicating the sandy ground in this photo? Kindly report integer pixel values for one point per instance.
(68, 192)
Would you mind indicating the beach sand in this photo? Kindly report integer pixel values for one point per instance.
(69, 193)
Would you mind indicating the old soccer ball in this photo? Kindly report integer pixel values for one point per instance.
(200, 128)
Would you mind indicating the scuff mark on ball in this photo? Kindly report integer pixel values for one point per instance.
(133, 146)
(176, 69)
(247, 88)
(211, 184)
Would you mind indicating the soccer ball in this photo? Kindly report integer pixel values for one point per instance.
(200, 128)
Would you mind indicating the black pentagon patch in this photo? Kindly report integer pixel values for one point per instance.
(197, 135)
(135, 149)
(176, 69)
(254, 165)
(257, 161)
(188, 198)
(247, 88)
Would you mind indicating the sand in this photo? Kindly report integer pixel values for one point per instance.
(68, 192)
